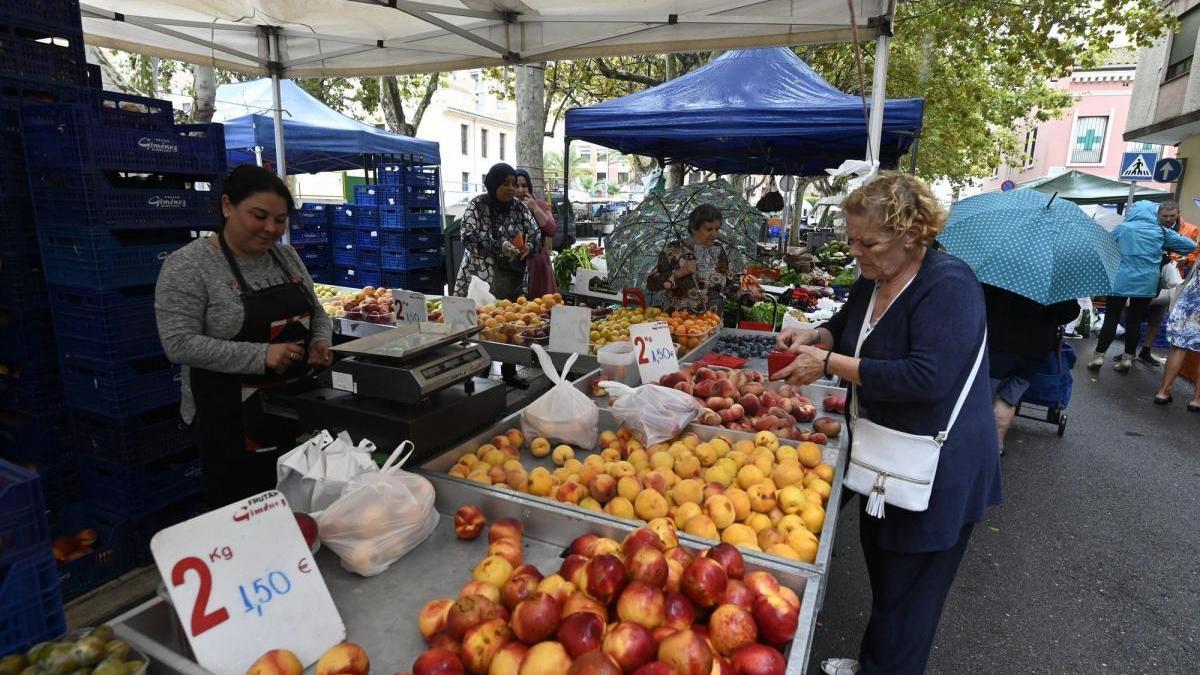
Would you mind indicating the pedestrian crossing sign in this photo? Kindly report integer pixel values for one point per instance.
(1139, 165)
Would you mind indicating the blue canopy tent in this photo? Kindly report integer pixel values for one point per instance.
(317, 138)
(748, 111)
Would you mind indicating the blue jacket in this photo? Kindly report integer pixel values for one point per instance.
(914, 364)
(1142, 242)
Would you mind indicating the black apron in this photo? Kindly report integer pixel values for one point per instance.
(239, 442)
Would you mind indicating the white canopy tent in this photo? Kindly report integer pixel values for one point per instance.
(326, 38)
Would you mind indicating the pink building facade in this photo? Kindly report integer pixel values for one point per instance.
(1087, 137)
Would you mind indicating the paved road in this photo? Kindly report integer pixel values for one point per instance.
(1092, 565)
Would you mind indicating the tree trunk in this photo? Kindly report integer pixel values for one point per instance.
(673, 174)
(531, 119)
(430, 87)
(110, 78)
(204, 100)
(392, 104)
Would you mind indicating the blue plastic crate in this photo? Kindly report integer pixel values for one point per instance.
(107, 326)
(146, 525)
(30, 389)
(106, 260)
(323, 276)
(411, 239)
(73, 137)
(343, 236)
(421, 197)
(343, 216)
(42, 52)
(60, 13)
(117, 200)
(378, 195)
(17, 224)
(22, 280)
(122, 389)
(15, 342)
(427, 280)
(367, 237)
(421, 219)
(345, 256)
(23, 525)
(391, 174)
(311, 255)
(315, 213)
(35, 435)
(365, 217)
(140, 438)
(421, 177)
(60, 481)
(307, 235)
(356, 278)
(403, 261)
(130, 489)
(368, 260)
(108, 558)
(31, 609)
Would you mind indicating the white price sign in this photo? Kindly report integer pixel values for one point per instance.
(459, 311)
(655, 350)
(243, 582)
(569, 329)
(410, 306)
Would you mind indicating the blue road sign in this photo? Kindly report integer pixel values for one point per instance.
(1168, 170)
(1139, 165)
(1007, 185)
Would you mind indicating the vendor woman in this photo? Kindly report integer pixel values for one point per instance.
(694, 272)
(237, 310)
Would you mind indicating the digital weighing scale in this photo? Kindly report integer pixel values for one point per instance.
(410, 362)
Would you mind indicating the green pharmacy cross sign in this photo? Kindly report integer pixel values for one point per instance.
(1090, 140)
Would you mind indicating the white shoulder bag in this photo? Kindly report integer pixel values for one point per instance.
(894, 467)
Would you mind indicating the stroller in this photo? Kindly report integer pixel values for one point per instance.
(1050, 389)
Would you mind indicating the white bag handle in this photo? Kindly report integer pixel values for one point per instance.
(615, 388)
(548, 365)
(393, 464)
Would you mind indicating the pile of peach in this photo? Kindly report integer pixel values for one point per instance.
(757, 494)
(642, 606)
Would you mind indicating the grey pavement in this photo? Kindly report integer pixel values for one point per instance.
(1092, 565)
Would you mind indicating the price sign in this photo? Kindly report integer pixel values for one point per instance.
(410, 306)
(569, 329)
(655, 350)
(459, 311)
(243, 582)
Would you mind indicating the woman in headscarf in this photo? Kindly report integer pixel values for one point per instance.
(499, 235)
(541, 272)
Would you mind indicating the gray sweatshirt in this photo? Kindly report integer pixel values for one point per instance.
(199, 309)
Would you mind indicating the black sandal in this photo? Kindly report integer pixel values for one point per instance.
(1193, 408)
(1163, 401)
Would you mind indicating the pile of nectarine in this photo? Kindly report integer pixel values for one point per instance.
(346, 658)
(643, 605)
(761, 494)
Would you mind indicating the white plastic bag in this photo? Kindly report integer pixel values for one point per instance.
(564, 414)
(312, 475)
(652, 413)
(481, 292)
(380, 517)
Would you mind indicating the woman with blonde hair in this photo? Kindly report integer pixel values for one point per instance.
(909, 339)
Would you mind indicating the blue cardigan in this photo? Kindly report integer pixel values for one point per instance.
(1142, 242)
(914, 365)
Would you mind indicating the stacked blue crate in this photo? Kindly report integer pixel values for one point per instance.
(31, 609)
(116, 187)
(312, 237)
(410, 221)
(42, 62)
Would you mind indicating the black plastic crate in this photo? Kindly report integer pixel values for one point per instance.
(314, 256)
(23, 525)
(108, 557)
(42, 52)
(110, 326)
(144, 437)
(35, 435)
(122, 389)
(106, 259)
(131, 489)
(31, 389)
(125, 200)
(146, 525)
(31, 608)
(62, 14)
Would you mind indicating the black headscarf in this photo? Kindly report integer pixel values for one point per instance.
(492, 181)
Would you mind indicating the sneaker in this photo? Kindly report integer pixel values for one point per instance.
(840, 667)
(1124, 364)
(1147, 357)
(1097, 362)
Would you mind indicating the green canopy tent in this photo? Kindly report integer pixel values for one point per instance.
(1085, 188)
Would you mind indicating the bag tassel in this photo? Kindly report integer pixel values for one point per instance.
(875, 503)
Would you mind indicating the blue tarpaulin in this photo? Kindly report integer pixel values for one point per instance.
(315, 138)
(747, 111)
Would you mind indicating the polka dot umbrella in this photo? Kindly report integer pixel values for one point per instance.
(1043, 248)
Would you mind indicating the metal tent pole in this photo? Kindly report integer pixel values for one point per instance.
(276, 69)
(879, 83)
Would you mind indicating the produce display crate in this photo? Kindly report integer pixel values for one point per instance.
(119, 200)
(348, 276)
(144, 437)
(364, 217)
(343, 236)
(122, 389)
(429, 280)
(422, 197)
(75, 137)
(309, 235)
(427, 238)
(423, 218)
(43, 52)
(378, 195)
(312, 216)
(398, 218)
(367, 237)
(818, 389)
(421, 176)
(108, 326)
(403, 261)
(345, 256)
(106, 260)
(23, 525)
(132, 489)
(31, 608)
(35, 435)
(110, 556)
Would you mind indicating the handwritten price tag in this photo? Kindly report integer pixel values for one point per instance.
(410, 306)
(569, 329)
(459, 311)
(655, 350)
(243, 582)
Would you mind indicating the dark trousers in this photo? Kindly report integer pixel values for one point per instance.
(1113, 305)
(908, 591)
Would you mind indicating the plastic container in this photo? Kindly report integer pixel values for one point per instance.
(31, 608)
(131, 489)
(31, 54)
(109, 556)
(423, 238)
(22, 513)
(140, 438)
(119, 390)
(427, 280)
(403, 261)
(111, 200)
(107, 326)
(356, 278)
(104, 260)
(618, 362)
